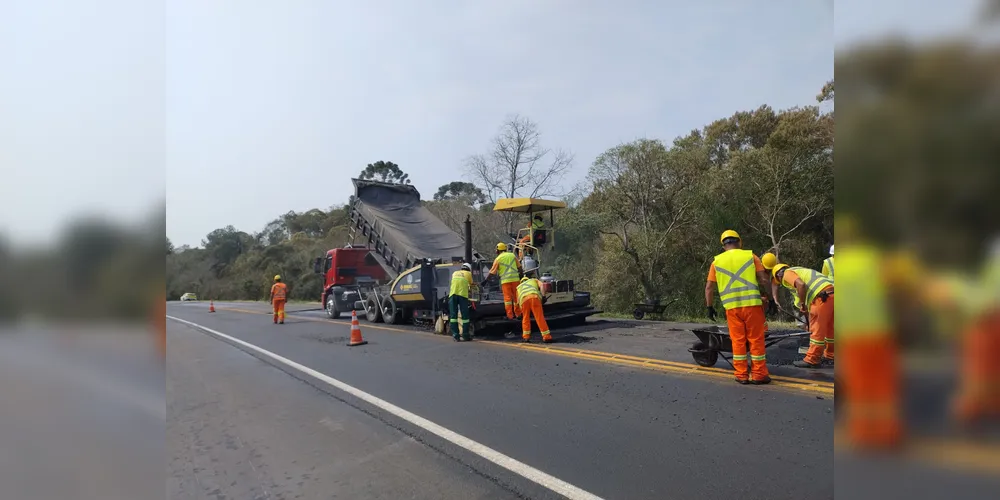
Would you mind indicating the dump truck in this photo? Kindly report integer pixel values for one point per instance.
(417, 254)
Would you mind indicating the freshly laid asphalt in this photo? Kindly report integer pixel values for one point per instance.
(240, 428)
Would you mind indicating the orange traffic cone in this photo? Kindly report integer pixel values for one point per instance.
(356, 331)
(211, 306)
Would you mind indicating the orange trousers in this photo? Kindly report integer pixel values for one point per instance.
(869, 376)
(279, 310)
(746, 325)
(510, 299)
(979, 382)
(532, 306)
(821, 331)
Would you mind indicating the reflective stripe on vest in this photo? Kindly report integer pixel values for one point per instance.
(815, 282)
(736, 276)
(528, 288)
(828, 264)
(460, 282)
(508, 268)
(863, 305)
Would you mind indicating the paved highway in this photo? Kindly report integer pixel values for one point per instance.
(291, 412)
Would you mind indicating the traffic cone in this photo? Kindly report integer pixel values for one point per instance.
(211, 306)
(356, 331)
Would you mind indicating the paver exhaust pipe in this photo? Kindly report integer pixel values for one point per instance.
(468, 239)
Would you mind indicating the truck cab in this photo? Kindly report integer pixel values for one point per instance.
(347, 274)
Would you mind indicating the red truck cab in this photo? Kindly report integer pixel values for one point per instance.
(347, 274)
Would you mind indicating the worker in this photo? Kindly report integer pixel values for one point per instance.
(814, 292)
(869, 372)
(741, 279)
(279, 293)
(529, 297)
(458, 301)
(770, 260)
(536, 232)
(978, 397)
(828, 264)
(508, 268)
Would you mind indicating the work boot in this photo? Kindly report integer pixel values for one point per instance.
(743, 381)
(804, 364)
(763, 381)
(526, 339)
(828, 362)
(456, 339)
(466, 338)
(547, 339)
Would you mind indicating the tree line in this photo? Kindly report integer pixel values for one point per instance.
(644, 224)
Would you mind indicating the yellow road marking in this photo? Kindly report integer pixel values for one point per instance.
(668, 366)
(942, 453)
(825, 388)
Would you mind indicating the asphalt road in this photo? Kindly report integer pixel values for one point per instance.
(614, 431)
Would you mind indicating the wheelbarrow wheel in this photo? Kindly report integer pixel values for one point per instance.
(705, 358)
(638, 314)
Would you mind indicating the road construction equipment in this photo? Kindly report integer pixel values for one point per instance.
(418, 253)
(714, 342)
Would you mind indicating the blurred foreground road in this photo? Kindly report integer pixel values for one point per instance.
(241, 428)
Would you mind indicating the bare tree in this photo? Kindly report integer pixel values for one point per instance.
(518, 165)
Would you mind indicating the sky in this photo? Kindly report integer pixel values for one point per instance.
(238, 111)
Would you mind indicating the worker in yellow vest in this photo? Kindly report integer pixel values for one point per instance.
(459, 300)
(741, 280)
(828, 264)
(978, 397)
(869, 372)
(508, 268)
(529, 296)
(814, 294)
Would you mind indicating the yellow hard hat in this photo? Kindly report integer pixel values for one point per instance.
(277, 277)
(501, 247)
(769, 260)
(728, 233)
(777, 268)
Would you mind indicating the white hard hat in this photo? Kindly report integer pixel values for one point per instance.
(831, 249)
(467, 266)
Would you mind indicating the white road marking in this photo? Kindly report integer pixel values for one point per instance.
(526, 471)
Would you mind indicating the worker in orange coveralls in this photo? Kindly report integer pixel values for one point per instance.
(979, 381)
(741, 280)
(815, 297)
(508, 268)
(869, 374)
(279, 294)
(529, 296)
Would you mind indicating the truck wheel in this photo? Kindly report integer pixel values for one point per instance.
(389, 312)
(331, 307)
(638, 314)
(372, 312)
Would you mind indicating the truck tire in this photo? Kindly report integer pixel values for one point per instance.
(372, 312)
(390, 313)
(331, 307)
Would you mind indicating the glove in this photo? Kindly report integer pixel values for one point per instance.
(711, 313)
(772, 307)
(472, 305)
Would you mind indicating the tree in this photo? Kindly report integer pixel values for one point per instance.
(642, 191)
(384, 171)
(518, 164)
(466, 192)
(170, 247)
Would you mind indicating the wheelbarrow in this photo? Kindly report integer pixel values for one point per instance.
(714, 341)
(650, 307)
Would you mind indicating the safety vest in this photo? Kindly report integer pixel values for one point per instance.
(537, 224)
(863, 306)
(528, 288)
(815, 283)
(828, 266)
(507, 268)
(736, 276)
(278, 291)
(461, 280)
